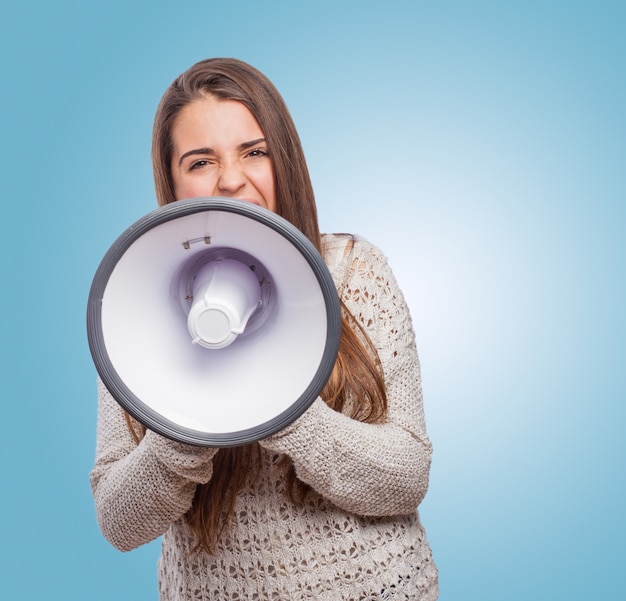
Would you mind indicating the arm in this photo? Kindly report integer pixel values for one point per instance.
(369, 469)
(140, 489)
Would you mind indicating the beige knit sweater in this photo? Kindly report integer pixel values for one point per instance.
(357, 535)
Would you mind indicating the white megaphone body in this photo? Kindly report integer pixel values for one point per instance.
(213, 322)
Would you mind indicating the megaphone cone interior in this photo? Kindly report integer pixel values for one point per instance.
(213, 321)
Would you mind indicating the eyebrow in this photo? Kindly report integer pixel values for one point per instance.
(243, 146)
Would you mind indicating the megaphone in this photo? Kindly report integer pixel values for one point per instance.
(213, 322)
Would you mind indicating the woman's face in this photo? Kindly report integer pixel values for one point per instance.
(220, 150)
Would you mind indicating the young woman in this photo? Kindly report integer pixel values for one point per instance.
(327, 507)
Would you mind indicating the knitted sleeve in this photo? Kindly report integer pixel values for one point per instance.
(140, 489)
(368, 469)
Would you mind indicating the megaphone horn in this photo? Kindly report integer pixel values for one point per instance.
(213, 322)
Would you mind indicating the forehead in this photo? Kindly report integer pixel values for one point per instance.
(210, 118)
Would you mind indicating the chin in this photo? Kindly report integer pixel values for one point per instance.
(253, 201)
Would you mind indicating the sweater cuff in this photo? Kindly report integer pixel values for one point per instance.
(297, 437)
(188, 461)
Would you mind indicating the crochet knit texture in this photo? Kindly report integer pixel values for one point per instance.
(357, 534)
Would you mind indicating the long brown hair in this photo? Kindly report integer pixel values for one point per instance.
(356, 384)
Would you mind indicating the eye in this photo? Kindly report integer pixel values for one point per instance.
(258, 153)
(198, 164)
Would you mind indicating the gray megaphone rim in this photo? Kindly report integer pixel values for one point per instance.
(148, 416)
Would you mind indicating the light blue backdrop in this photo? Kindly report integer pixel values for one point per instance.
(480, 144)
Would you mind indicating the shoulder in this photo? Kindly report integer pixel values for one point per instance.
(344, 253)
(345, 248)
(353, 258)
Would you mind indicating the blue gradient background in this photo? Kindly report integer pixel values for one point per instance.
(480, 144)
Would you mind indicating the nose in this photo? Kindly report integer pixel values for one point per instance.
(231, 180)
